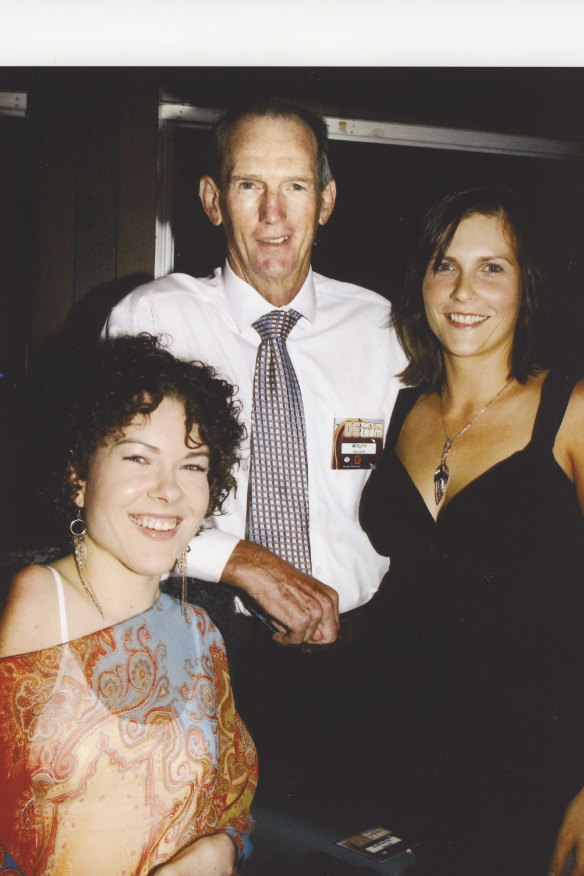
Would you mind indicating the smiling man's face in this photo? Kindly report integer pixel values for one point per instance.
(269, 203)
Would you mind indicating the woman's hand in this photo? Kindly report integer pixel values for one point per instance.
(570, 838)
(212, 855)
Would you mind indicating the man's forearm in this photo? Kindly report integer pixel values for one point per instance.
(304, 607)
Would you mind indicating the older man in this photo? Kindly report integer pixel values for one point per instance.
(315, 363)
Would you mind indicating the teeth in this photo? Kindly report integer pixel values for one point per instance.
(275, 240)
(466, 318)
(155, 523)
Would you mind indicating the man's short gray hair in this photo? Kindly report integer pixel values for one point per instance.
(276, 108)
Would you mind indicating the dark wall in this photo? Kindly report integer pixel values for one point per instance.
(541, 102)
(81, 198)
(78, 214)
(16, 219)
(91, 177)
(383, 192)
(92, 165)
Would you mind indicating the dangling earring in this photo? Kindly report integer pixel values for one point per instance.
(78, 529)
(181, 565)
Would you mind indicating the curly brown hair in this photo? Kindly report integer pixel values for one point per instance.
(131, 375)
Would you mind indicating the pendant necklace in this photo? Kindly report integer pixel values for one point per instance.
(441, 475)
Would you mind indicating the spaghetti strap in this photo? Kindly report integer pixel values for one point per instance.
(61, 604)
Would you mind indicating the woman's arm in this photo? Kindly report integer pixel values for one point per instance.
(569, 445)
(570, 839)
(569, 453)
(29, 620)
(213, 855)
(237, 759)
(236, 769)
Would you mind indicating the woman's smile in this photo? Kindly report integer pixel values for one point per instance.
(147, 492)
(472, 294)
(156, 526)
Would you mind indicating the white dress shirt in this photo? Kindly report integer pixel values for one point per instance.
(345, 358)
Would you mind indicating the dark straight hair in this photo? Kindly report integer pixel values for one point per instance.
(277, 108)
(425, 366)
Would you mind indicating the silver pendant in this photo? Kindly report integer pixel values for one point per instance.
(441, 476)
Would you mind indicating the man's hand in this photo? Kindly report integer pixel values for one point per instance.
(305, 609)
(570, 839)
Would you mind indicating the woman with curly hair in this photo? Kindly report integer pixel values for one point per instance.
(120, 748)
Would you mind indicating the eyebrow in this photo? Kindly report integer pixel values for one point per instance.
(198, 451)
(202, 452)
(241, 177)
(485, 258)
(493, 257)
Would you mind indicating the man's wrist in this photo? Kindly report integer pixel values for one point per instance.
(247, 565)
(209, 554)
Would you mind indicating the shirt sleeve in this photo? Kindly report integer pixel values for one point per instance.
(209, 553)
(130, 317)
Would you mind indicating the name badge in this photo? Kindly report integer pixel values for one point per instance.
(357, 442)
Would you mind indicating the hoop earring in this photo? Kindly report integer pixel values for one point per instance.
(77, 528)
(181, 565)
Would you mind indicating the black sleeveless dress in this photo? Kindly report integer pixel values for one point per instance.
(483, 628)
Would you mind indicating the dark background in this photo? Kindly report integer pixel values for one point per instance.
(78, 204)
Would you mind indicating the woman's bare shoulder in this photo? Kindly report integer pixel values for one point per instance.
(569, 443)
(573, 421)
(29, 618)
(577, 397)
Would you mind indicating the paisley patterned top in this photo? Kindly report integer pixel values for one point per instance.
(119, 748)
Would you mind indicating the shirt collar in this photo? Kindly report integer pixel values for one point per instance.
(247, 305)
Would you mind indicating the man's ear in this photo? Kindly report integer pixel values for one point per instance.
(210, 199)
(328, 197)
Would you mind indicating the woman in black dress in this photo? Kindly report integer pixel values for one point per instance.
(478, 503)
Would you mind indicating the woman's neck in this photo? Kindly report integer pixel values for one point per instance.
(470, 384)
(120, 592)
